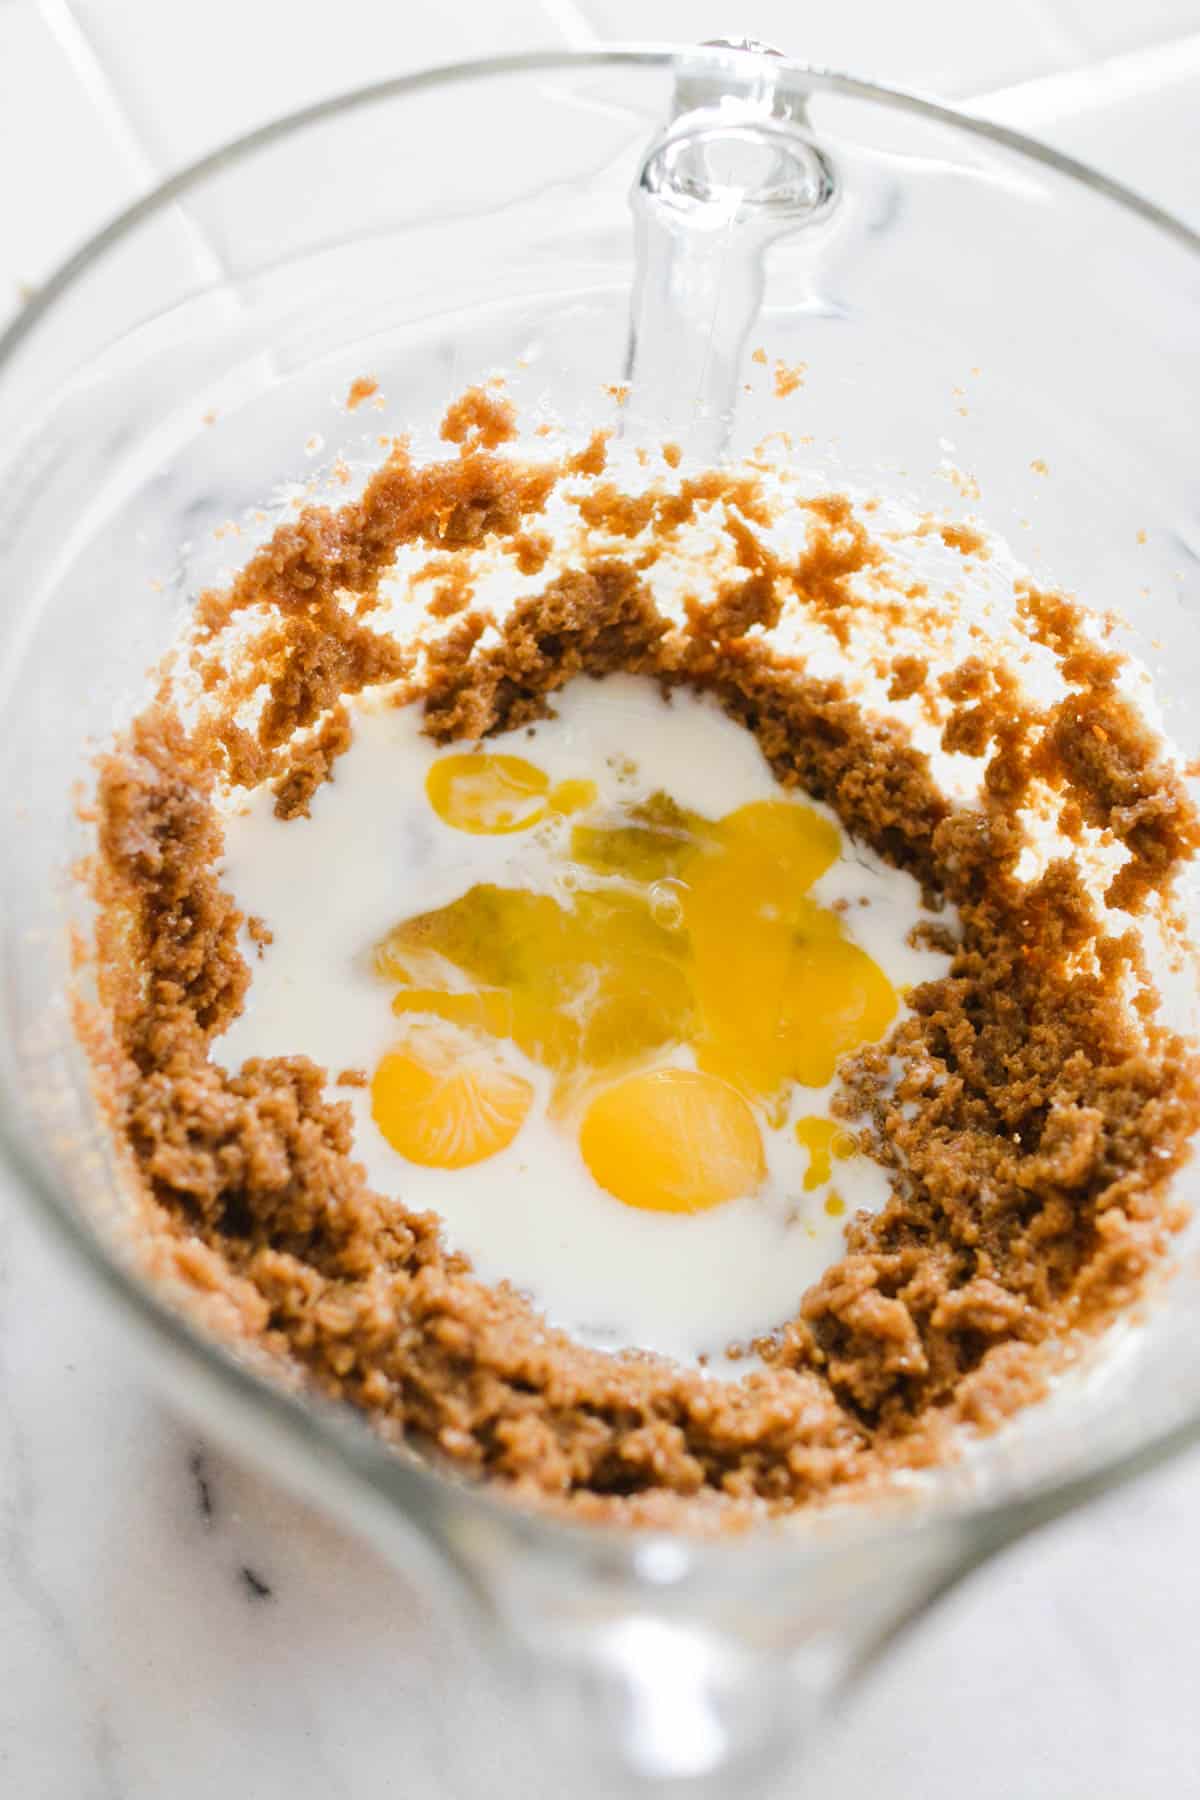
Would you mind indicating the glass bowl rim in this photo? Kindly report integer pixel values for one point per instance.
(422, 1490)
(645, 55)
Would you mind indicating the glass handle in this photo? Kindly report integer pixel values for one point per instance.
(733, 171)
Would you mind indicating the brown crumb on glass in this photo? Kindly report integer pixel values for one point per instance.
(259, 932)
(361, 388)
(966, 540)
(966, 484)
(593, 458)
(532, 550)
(909, 674)
(481, 418)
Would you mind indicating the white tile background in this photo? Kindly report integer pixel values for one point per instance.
(99, 98)
(131, 1665)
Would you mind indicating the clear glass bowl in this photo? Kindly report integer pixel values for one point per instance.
(973, 309)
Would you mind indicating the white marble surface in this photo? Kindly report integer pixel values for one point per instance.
(171, 1625)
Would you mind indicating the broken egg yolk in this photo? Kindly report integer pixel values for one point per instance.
(666, 933)
(494, 795)
(825, 1141)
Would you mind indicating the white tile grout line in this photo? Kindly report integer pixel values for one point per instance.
(569, 18)
(98, 83)
(81, 54)
(1095, 84)
(1038, 100)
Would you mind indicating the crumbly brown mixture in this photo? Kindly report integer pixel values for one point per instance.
(1038, 1115)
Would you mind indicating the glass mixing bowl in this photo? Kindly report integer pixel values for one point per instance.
(972, 309)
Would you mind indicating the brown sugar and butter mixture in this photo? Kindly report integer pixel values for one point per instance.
(1027, 1106)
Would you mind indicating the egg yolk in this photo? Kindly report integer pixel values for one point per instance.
(672, 1140)
(674, 932)
(583, 986)
(493, 795)
(443, 1107)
